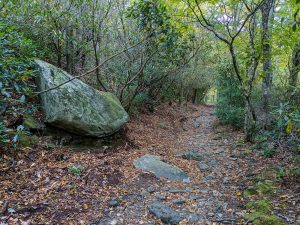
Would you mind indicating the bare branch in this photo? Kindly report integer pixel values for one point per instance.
(138, 73)
(207, 25)
(247, 18)
(92, 70)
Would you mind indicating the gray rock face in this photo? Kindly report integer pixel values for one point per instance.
(75, 106)
(160, 169)
(165, 213)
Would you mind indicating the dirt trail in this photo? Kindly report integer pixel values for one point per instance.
(211, 194)
(109, 190)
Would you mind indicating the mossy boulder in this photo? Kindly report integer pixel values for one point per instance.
(77, 107)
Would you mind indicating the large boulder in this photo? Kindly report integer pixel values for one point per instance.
(75, 106)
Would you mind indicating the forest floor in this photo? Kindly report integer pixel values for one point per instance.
(58, 185)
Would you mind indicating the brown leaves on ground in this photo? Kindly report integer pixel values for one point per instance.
(61, 186)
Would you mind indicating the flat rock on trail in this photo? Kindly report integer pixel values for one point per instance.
(153, 164)
(110, 190)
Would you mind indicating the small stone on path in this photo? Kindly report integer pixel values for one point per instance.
(210, 214)
(192, 155)
(204, 191)
(144, 193)
(177, 191)
(179, 201)
(203, 166)
(220, 150)
(209, 178)
(114, 202)
(226, 180)
(165, 213)
(194, 218)
(195, 197)
(212, 162)
(165, 188)
(189, 189)
(151, 189)
(160, 196)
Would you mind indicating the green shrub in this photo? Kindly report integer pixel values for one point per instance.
(16, 70)
(263, 219)
(261, 188)
(76, 170)
(287, 123)
(280, 173)
(261, 209)
(268, 153)
(3, 136)
(230, 101)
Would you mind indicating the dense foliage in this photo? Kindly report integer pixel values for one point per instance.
(17, 73)
(230, 105)
(151, 51)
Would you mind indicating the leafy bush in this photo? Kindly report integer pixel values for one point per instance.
(261, 188)
(230, 102)
(15, 64)
(268, 152)
(261, 209)
(16, 71)
(141, 99)
(3, 136)
(287, 123)
(76, 170)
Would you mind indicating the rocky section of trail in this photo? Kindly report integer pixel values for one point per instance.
(220, 167)
(107, 188)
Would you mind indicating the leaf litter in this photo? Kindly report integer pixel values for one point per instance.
(58, 185)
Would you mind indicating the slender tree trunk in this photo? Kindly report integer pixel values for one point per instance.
(70, 67)
(96, 57)
(195, 96)
(181, 94)
(250, 114)
(267, 14)
(295, 68)
(248, 123)
(294, 74)
(59, 53)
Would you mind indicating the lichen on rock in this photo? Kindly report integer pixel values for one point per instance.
(77, 107)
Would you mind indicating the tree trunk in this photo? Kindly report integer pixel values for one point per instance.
(267, 14)
(70, 67)
(181, 94)
(195, 96)
(294, 73)
(295, 69)
(249, 123)
(59, 64)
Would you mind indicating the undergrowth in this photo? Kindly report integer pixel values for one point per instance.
(260, 208)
